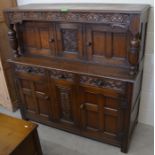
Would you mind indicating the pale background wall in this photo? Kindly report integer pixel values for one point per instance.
(147, 100)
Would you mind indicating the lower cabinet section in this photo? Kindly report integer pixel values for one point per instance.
(64, 94)
(101, 115)
(91, 106)
(34, 92)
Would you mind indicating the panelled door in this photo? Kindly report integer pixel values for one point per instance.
(106, 45)
(70, 40)
(37, 38)
(64, 91)
(34, 93)
(101, 115)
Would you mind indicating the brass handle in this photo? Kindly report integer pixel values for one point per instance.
(51, 40)
(63, 76)
(29, 70)
(89, 44)
(82, 106)
(46, 97)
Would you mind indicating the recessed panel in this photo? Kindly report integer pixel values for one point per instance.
(99, 43)
(29, 103)
(65, 103)
(90, 97)
(110, 124)
(120, 45)
(43, 106)
(92, 118)
(25, 84)
(44, 37)
(29, 37)
(70, 40)
(41, 87)
(112, 103)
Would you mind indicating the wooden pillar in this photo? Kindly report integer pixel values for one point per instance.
(133, 55)
(13, 40)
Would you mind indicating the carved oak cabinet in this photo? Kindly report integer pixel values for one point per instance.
(79, 67)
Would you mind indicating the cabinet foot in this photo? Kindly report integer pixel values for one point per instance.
(124, 148)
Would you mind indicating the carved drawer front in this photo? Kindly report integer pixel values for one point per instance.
(101, 115)
(70, 43)
(30, 72)
(61, 75)
(107, 45)
(34, 92)
(65, 100)
(112, 84)
(37, 38)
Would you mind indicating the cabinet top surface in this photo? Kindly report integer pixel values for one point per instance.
(83, 7)
(13, 131)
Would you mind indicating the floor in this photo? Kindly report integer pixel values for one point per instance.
(57, 142)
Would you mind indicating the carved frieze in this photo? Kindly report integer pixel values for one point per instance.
(61, 75)
(103, 83)
(115, 19)
(29, 69)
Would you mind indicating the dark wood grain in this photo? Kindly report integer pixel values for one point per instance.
(81, 67)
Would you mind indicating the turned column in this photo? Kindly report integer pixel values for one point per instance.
(13, 40)
(134, 50)
(134, 53)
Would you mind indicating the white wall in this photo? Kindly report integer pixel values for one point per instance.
(20, 2)
(147, 104)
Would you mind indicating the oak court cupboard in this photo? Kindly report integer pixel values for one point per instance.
(79, 67)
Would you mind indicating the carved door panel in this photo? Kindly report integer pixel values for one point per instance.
(107, 45)
(65, 99)
(37, 38)
(101, 114)
(34, 92)
(70, 41)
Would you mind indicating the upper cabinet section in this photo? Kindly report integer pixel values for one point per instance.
(112, 35)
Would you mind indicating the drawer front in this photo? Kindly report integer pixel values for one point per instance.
(29, 71)
(62, 75)
(104, 83)
(34, 91)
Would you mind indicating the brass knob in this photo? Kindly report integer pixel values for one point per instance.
(46, 97)
(89, 44)
(81, 106)
(51, 40)
(29, 70)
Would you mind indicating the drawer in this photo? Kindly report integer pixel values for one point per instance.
(62, 75)
(30, 72)
(104, 83)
